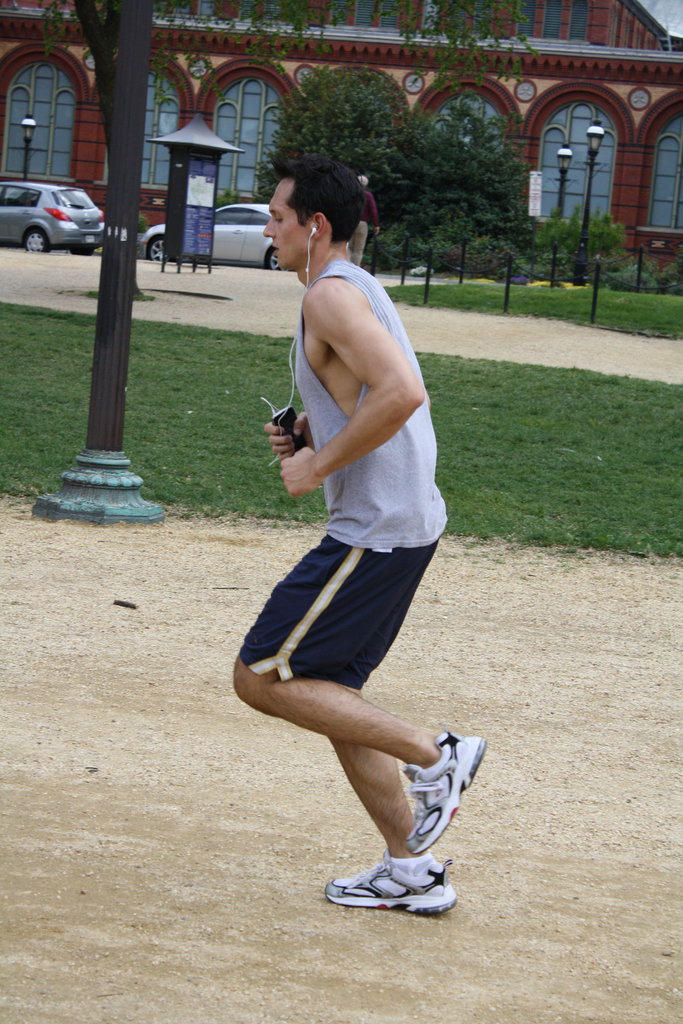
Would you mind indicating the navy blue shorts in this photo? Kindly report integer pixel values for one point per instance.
(337, 613)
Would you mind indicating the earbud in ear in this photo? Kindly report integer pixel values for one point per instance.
(313, 230)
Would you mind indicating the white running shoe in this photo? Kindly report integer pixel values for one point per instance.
(386, 887)
(437, 789)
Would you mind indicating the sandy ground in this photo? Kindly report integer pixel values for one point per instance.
(165, 849)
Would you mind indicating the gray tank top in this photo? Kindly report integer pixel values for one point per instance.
(388, 498)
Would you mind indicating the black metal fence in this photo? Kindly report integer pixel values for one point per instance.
(633, 272)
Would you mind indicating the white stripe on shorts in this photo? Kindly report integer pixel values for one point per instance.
(280, 661)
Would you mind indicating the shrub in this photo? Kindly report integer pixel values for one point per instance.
(484, 257)
(227, 197)
(625, 278)
(654, 278)
(670, 276)
(604, 238)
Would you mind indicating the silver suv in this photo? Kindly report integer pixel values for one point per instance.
(42, 217)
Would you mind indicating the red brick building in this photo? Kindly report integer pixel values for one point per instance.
(604, 59)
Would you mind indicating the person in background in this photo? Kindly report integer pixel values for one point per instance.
(368, 216)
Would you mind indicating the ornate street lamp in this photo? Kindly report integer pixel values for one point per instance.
(28, 127)
(595, 134)
(564, 158)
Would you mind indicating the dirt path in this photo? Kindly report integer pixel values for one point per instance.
(165, 849)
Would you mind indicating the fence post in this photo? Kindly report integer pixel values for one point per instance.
(373, 263)
(404, 261)
(508, 275)
(533, 247)
(596, 286)
(463, 250)
(429, 274)
(641, 250)
(553, 265)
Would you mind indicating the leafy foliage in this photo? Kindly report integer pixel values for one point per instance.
(463, 174)
(353, 115)
(604, 238)
(644, 275)
(226, 197)
(457, 39)
(435, 180)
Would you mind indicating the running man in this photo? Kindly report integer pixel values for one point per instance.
(369, 442)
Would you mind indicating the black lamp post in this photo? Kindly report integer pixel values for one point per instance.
(595, 135)
(564, 158)
(101, 488)
(28, 127)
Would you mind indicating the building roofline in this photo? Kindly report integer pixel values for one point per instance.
(393, 37)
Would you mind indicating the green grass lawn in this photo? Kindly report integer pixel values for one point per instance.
(526, 453)
(652, 315)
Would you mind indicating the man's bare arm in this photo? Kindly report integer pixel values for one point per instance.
(347, 347)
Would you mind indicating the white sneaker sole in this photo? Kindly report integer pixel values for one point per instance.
(413, 904)
(462, 778)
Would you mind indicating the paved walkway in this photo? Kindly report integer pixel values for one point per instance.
(263, 302)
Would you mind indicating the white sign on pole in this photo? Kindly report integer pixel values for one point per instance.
(535, 193)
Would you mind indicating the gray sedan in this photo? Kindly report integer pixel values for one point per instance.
(237, 237)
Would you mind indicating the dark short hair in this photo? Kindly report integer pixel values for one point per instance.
(322, 185)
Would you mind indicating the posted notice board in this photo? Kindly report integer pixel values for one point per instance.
(200, 206)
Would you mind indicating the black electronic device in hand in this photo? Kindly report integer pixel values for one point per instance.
(285, 418)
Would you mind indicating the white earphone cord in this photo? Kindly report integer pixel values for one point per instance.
(291, 347)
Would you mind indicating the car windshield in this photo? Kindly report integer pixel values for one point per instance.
(74, 198)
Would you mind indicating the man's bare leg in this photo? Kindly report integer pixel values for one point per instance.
(377, 783)
(337, 712)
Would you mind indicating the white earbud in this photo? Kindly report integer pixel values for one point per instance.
(313, 230)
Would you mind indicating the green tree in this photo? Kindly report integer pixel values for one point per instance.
(354, 115)
(464, 170)
(434, 179)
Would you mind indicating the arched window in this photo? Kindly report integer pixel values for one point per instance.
(568, 127)
(479, 104)
(247, 117)
(552, 19)
(45, 92)
(161, 118)
(578, 19)
(666, 201)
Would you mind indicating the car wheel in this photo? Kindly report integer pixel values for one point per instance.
(155, 249)
(36, 240)
(270, 262)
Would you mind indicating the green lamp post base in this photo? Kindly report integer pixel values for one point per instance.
(101, 490)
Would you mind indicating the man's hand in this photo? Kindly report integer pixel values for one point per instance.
(298, 473)
(281, 443)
